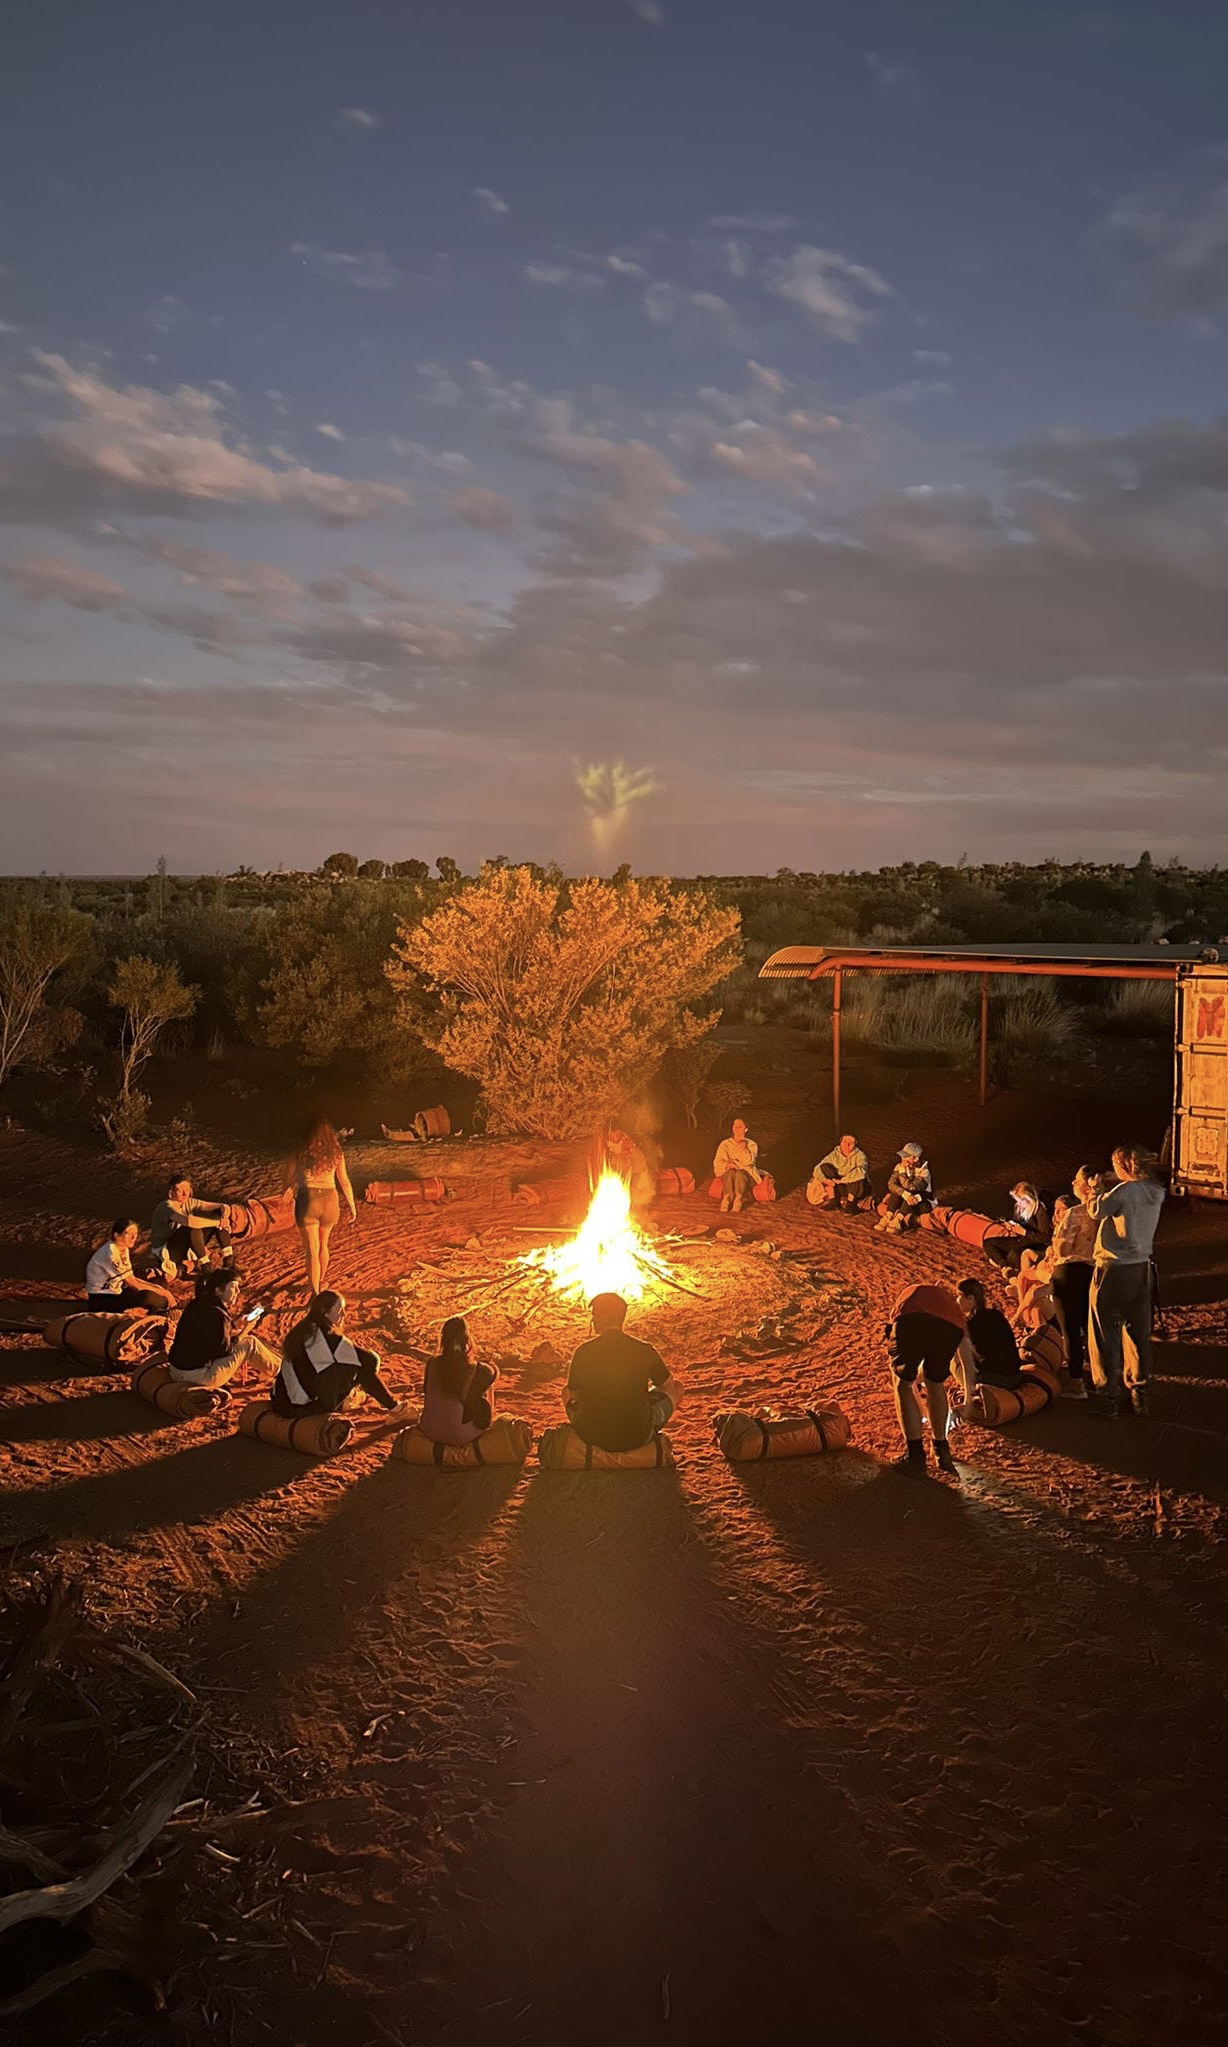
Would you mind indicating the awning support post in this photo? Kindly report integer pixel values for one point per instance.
(984, 1065)
(837, 986)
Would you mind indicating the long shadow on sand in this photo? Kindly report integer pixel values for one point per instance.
(88, 1418)
(671, 1852)
(188, 1487)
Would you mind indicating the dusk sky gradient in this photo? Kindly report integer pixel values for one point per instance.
(818, 407)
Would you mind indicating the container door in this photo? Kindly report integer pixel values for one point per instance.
(1200, 1107)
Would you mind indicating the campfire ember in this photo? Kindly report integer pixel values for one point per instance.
(608, 1254)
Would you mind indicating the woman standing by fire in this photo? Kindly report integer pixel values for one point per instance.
(320, 1179)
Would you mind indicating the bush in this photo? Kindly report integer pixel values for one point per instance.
(325, 992)
(1138, 1009)
(922, 1021)
(561, 999)
(37, 941)
(686, 1069)
(1032, 1029)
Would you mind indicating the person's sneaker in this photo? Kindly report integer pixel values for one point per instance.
(1073, 1389)
(1105, 1410)
(883, 1223)
(1140, 1403)
(945, 1461)
(912, 1462)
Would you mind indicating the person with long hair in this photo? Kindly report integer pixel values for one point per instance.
(1071, 1254)
(1125, 1210)
(1032, 1228)
(320, 1367)
(320, 1179)
(456, 1403)
(111, 1285)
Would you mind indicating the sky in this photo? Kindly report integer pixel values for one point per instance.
(720, 436)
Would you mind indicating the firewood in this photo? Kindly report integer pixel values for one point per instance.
(38, 1650)
(46, 1986)
(63, 1901)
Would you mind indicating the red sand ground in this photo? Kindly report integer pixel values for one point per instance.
(712, 1756)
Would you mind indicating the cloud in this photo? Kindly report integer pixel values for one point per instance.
(487, 511)
(609, 790)
(618, 514)
(491, 200)
(1164, 245)
(360, 118)
(256, 584)
(753, 223)
(134, 449)
(365, 270)
(329, 432)
(562, 277)
(168, 315)
(895, 79)
(828, 288)
(650, 11)
(43, 577)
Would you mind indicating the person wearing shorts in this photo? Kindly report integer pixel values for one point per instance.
(926, 1329)
(320, 1181)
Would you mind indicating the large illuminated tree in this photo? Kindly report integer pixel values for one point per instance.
(562, 998)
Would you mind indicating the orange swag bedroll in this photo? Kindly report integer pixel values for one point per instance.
(507, 1441)
(187, 1403)
(313, 1435)
(108, 1341)
(746, 1438)
(560, 1449)
(259, 1216)
(1002, 1404)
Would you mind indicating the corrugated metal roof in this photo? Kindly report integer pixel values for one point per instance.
(804, 962)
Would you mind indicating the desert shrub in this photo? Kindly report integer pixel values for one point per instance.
(726, 1099)
(150, 996)
(325, 992)
(1032, 1029)
(37, 942)
(1137, 1009)
(561, 999)
(686, 1071)
(914, 1020)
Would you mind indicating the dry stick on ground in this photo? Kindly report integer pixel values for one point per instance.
(47, 1985)
(55, 1618)
(15, 1848)
(98, 1650)
(64, 1900)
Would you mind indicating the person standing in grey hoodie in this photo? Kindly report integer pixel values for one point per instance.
(1125, 1214)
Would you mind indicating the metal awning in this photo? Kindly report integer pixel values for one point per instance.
(1084, 962)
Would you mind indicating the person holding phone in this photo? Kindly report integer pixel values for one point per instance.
(216, 1338)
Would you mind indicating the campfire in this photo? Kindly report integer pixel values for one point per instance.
(607, 1255)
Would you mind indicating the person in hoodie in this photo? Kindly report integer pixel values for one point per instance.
(1125, 1211)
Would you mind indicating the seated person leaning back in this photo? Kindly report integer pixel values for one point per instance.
(456, 1404)
(184, 1229)
(111, 1285)
(320, 1367)
(215, 1337)
(619, 1391)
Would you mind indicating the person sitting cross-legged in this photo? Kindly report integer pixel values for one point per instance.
(620, 1393)
(910, 1191)
(215, 1339)
(456, 1402)
(320, 1367)
(111, 1285)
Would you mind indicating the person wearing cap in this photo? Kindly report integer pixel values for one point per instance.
(910, 1191)
(924, 1334)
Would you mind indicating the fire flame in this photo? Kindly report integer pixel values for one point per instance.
(608, 1255)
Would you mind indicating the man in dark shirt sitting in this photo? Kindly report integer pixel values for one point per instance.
(619, 1390)
(215, 1337)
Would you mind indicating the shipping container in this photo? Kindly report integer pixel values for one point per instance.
(1200, 1082)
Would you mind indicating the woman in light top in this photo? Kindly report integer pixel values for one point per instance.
(320, 1180)
(456, 1404)
(736, 1168)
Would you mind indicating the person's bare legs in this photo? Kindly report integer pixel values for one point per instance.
(908, 1408)
(326, 1230)
(966, 1372)
(309, 1231)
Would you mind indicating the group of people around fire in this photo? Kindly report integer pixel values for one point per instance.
(1081, 1263)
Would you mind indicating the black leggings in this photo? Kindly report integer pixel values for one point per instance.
(153, 1299)
(334, 1386)
(847, 1193)
(1007, 1252)
(1072, 1285)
